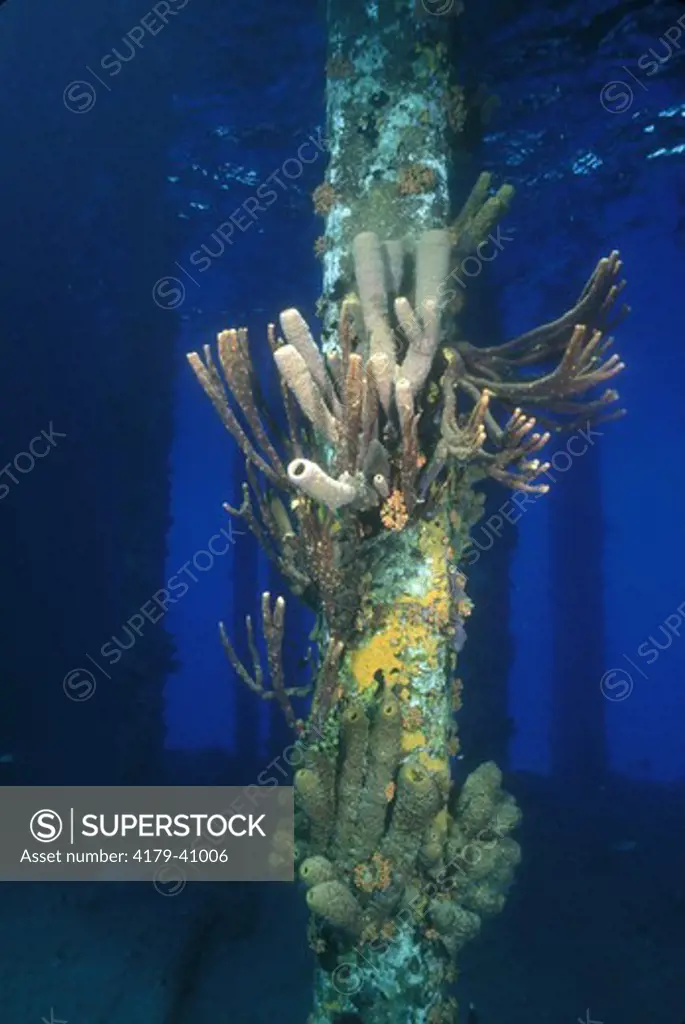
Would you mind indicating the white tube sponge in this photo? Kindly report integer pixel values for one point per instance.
(394, 257)
(381, 362)
(423, 342)
(404, 401)
(310, 478)
(369, 268)
(432, 267)
(296, 331)
(295, 372)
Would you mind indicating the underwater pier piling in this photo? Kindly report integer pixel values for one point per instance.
(392, 116)
(367, 503)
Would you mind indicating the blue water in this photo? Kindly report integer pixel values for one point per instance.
(109, 184)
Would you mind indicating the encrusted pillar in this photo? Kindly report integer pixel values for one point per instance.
(397, 970)
(392, 116)
(394, 113)
(390, 431)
